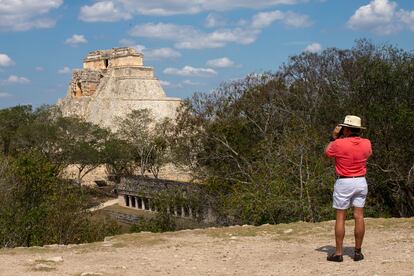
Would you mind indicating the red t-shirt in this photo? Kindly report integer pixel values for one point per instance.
(351, 155)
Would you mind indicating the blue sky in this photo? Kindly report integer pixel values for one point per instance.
(193, 45)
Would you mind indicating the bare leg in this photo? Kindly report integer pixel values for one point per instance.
(340, 230)
(359, 226)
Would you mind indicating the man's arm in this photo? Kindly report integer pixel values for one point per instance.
(330, 148)
(370, 148)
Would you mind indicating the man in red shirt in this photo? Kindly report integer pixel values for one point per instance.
(350, 153)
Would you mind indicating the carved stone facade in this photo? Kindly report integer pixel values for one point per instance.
(84, 82)
(111, 84)
(138, 193)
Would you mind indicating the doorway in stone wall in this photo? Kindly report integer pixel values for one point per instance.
(106, 62)
(78, 90)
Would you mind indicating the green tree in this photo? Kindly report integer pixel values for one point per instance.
(117, 155)
(38, 208)
(160, 139)
(266, 134)
(135, 129)
(82, 144)
(11, 120)
(147, 140)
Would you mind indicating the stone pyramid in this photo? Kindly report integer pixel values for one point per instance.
(111, 84)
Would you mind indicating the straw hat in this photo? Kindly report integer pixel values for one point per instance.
(352, 121)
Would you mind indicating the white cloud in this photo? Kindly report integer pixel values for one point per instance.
(264, 19)
(165, 83)
(130, 43)
(223, 62)
(407, 17)
(39, 68)
(296, 20)
(164, 31)
(377, 16)
(153, 54)
(22, 15)
(188, 37)
(75, 40)
(115, 10)
(13, 79)
(214, 21)
(290, 19)
(140, 48)
(169, 84)
(192, 83)
(161, 53)
(64, 70)
(126, 42)
(381, 17)
(313, 48)
(222, 5)
(189, 71)
(4, 95)
(5, 60)
(104, 11)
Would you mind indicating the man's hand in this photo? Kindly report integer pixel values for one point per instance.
(335, 132)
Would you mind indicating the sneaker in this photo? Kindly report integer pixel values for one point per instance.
(335, 258)
(358, 256)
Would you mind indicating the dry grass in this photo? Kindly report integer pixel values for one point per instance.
(297, 231)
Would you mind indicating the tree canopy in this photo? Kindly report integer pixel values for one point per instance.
(258, 142)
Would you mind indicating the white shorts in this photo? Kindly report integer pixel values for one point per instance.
(350, 192)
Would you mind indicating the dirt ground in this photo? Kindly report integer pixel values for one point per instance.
(285, 249)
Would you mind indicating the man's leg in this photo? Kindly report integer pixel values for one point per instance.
(359, 226)
(340, 230)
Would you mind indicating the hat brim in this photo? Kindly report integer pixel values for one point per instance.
(351, 126)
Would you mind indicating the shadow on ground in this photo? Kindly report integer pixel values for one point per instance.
(329, 249)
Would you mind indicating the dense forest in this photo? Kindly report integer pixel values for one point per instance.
(259, 142)
(256, 145)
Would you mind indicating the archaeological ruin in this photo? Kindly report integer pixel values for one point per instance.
(139, 193)
(111, 84)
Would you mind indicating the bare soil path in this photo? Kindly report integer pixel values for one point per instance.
(103, 205)
(285, 249)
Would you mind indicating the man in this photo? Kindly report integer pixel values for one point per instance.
(350, 153)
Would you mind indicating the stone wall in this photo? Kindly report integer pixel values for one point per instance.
(95, 64)
(100, 173)
(84, 82)
(126, 61)
(138, 193)
(134, 73)
(116, 57)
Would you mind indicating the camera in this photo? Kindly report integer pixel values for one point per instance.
(341, 132)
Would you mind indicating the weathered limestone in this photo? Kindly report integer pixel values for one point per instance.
(116, 57)
(142, 189)
(111, 84)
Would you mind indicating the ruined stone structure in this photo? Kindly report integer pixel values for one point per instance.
(111, 84)
(138, 192)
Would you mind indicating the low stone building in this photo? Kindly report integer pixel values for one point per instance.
(141, 192)
(111, 84)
